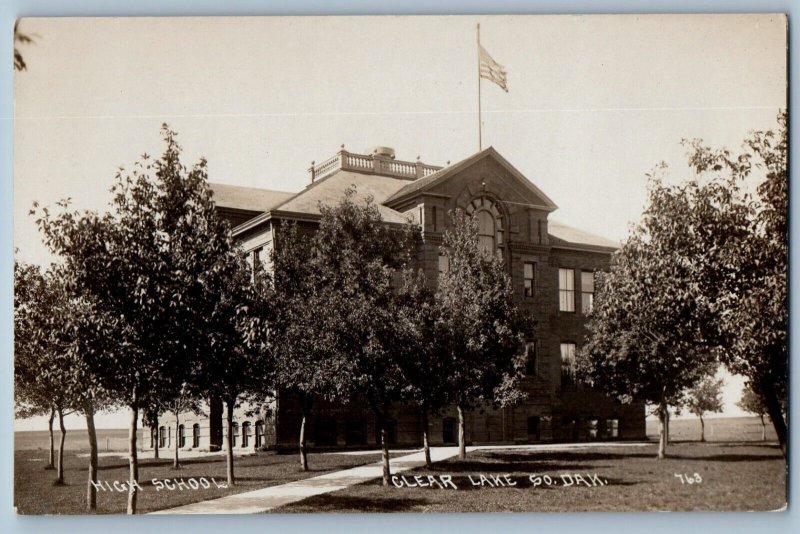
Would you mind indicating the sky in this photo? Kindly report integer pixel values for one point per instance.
(594, 103)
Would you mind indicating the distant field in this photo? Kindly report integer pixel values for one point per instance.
(107, 439)
(717, 429)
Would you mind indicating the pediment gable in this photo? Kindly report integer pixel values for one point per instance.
(485, 170)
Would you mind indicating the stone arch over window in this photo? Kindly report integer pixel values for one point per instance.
(195, 435)
(491, 227)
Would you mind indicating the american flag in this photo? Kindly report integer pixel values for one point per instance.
(492, 70)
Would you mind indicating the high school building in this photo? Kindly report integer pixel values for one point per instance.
(552, 270)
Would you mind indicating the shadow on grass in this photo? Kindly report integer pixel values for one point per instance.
(331, 502)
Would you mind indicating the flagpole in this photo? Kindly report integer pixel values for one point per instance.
(480, 138)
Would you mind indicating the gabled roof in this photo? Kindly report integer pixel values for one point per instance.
(247, 198)
(440, 176)
(562, 234)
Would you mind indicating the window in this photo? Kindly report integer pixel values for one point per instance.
(325, 432)
(245, 434)
(612, 428)
(162, 437)
(568, 362)
(195, 435)
(531, 359)
(529, 272)
(444, 263)
(448, 430)
(153, 437)
(486, 232)
(355, 432)
(566, 290)
(391, 432)
(258, 261)
(592, 428)
(181, 436)
(259, 434)
(433, 218)
(234, 431)
(490, 223)
(587, 291)
(533, 428)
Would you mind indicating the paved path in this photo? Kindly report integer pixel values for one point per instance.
(262, 500)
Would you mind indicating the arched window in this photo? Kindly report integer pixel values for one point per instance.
(246, 434)
(195, 435)
(259, 434)
(153, 437)
(181, 436)
(533, 428)
(448, 430)
(490, 223)
(162, 436)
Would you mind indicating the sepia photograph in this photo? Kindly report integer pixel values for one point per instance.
(400, 264)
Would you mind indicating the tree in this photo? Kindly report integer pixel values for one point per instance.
(704, 397)
(20, 38)
(645, 340)
(426, 364)
(238, 364)
(307, 362)
(57, 333)
(752, 403)
(366, 308)
(32, 396)
(185, 401)
(744, 264)
(147, 263)
(478, 327)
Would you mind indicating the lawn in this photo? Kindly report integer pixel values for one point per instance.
(735, 476)
(34, 492)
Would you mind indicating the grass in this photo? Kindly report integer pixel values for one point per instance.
(35, 493)
(735, 476)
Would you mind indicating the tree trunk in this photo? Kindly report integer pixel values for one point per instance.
(60, 471)
(133, 479)
(175, 461)
(663, 421)
(158, 439)
(229, 452)
(666, 424)
(462, 444)
(763, 428)
(52, 460)
(385, 451)
(425, 442)
(702, 429)
(91, 489)
(775, 413)
(303, 422)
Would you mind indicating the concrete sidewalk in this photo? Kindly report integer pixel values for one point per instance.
(262, 500)
(265, 499)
